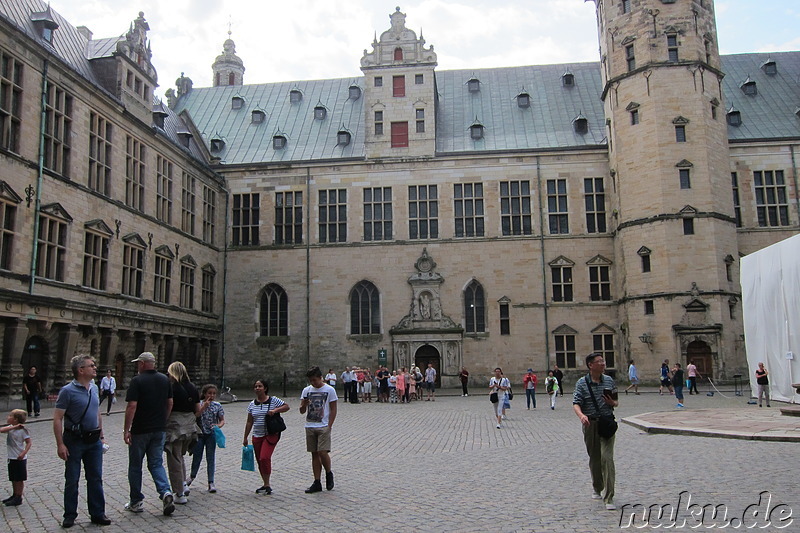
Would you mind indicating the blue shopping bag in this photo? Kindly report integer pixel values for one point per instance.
(219, 436)
(248, 458)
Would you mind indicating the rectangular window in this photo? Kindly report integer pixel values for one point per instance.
(645, 263)
(132, 270)
(95, 261)
(10, 102)
(515, 207)
(626, 6)
(737, 206)
(378, 214)
(398, 86)
(420, 121)
(707, 45)
(8, 216)
(565, 351)
(771, 204)
(599, 283)
(419, 79)
(505, 320)
(134, 173)
(595, 200)
(333, 215)
(289, 217)
(680, 134)
(399, 134)
(207, 291)
(52, 248)
(468, 209)
(713, 111)
(634, 117)
(562, 283)
(99, 154)
(187, 286)
(163, 190)
(187, 203)
(378, 81)
(423, 212)
(162, 279)
(672, 48)
(558, 214)
(603, 344)
(209, 214)
(630, 58)
(57, 129)
(378, 122)
(649, 307)
(245, 219)
(685, 178)
(688, 226)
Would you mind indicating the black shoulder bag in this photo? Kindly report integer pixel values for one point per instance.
(606, 425)
(88, 436)
(274, 423)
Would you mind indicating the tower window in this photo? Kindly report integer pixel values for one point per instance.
(398, 86)
(399, 134)
(524, 100)
(476, 132)
(420, 114)
(707, 45)
(378, 81)
(231, 79)
(649, 307)
(645, 263)
(378, 122)
(634, 117)
(626, 6)
(685, 180)
(398, 54)
(419, 79)
(680, 134)
(672, 48)
(688, 226)
(630, 58)
(734, 117)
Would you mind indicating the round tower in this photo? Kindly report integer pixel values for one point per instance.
(228, 68)
(668, 150)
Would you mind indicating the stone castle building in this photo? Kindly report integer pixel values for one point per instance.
(515, 217)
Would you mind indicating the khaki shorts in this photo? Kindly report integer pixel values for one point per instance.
(318, 439)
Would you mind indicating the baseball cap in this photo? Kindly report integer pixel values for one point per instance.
(145, 356)
(530, 370)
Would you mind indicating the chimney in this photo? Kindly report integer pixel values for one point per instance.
(86, 32)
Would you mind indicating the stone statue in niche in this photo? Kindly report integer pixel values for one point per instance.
(401, 355)
(436, 309)
(451, 356)
(425, 305)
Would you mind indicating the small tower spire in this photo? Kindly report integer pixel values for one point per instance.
(228, 68)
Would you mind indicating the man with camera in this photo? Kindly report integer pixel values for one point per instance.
(593, 401)
(78, 429)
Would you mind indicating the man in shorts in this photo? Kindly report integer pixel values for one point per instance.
(320, 401)
(430, 382)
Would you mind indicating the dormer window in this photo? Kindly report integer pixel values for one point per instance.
(258, 117)
(279, 142)
(44, 23)
(568, 79)
(320, 112)
(295, 96)
(473, 85)
(158, 119)
(354, 92)
(476, 131)
(770, 67)
(184, 136)
(524, 100)
(580, 124)
(237, 102)
(734, 117)
(343, 137)
(398, 54)
(217, 144)
(748, 87)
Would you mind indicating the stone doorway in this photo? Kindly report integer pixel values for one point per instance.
(429, 354)
(36, 353)
(700, 353)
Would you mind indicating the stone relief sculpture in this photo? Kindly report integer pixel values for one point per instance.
(425, 305)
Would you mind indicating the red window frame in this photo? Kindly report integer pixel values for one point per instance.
(398, 86)
(399, 134)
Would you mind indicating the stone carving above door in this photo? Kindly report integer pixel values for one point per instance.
(425, 311)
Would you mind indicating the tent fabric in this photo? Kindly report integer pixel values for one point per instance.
(770, 280)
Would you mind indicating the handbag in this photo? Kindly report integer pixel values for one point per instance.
(248, 458)
(219, 436)
(606, 425)
(274, 423)
(510, 394)
(493, 397)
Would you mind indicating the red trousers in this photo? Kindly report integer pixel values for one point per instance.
(263, 447)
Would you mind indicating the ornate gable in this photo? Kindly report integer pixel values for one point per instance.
(99, 226)
(166, 251)
(134, 239)
(398, 46)
(56, 210)
(8, 194)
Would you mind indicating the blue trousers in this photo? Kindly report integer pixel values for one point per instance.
(530, 396)
(91, 455)
(151, 445)
(209, 444)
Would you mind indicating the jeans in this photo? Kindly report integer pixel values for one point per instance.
(693, 384)
(152, 445)
(678, 392)
(209, 444)
(530, 397)
(32, 398)
(92, 457)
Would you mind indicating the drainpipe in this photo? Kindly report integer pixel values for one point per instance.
(39, 179)
(794, 178)
(224, 288)
(544, 269)
(308, 269)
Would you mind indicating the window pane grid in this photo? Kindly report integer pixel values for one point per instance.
(58, 129)
(187, 286)
(99, 154)
(207, 292)
(565, 351)
(52, 248)
(163, 190)
(771, 205)
(474, 308)
(423, 212)
(162, 279)
(599, 283)
(134, 173)
(274, 312)
(333, 215)
(209, 214)
(365, 309)
(603, 344)
(132, 270)
(562, 283)
(95, 261)
(595, 205)
(10, 102)
(558, 214)
(289, 217)
(378, 214)
(515, 208)
(188, 203)
(246, 219)
(8, 215)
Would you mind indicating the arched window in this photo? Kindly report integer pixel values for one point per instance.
(398, 54)
(274, 312)
(365, 309)
(232, 79)
(474, 308)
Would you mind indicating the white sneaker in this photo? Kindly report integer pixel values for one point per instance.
(596, 496)
(186, 489)
(498, 426)
(611, 507)
(211, 488)
(181, 499)
(135, 507)
(169, 503)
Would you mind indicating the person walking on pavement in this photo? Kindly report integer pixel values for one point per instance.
(678, 383)
(559, 375)
(149, 398)
(78, 428)
(595, 397)
(762, 380)
(633, 377)
(320, 402)
(464, 377)
(498, 390)
(551, 386)
(264, 442)
(430, 382)
(32, 387)
(181, 431)
(108, 388)
(666, 378)
(529, 383)
(212, 415)
(693, 374)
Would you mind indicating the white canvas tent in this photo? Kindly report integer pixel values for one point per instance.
(771, 307)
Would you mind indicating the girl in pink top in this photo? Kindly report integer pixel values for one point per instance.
(401, 385)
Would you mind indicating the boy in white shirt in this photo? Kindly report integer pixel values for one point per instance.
(319, 400)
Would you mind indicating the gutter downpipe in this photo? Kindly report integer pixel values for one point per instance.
(39, 180)
(224, 288)
(308, 270)
(544, 270)
(794, 178)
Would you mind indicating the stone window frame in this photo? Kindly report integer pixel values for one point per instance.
(557, 206)
(423, 212)
(649, 307)
(599, 279)
(58, 133)
(209, 213)
(672, 47)
(645, 252)
(11, 80)
(288, 217)
(164, 180)
(96, 244)
(504, 304)
(561, 279)
(188, 199)
(603, 339)
(273, 311)
(364, 300)
(245, 219)
(133, 252)
(375, 214)
(474, 307)
(332, 210)
(595, 205)
(135, 172)
(208, 274)
(516, 207)
(52, 242)
(737, 204)
(100, 150)
(468, 209)
(564, 338)
(162, 274)
(9, 200)
(772, 206)
(399, 134)
(187, 282)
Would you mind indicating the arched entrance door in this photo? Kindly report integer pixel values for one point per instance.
(36, 354)
(119, 370)
(700, 353)
(428, 354)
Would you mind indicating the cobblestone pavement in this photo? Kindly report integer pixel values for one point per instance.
(435, 466)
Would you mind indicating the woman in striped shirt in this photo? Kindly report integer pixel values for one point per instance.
(263, 443)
